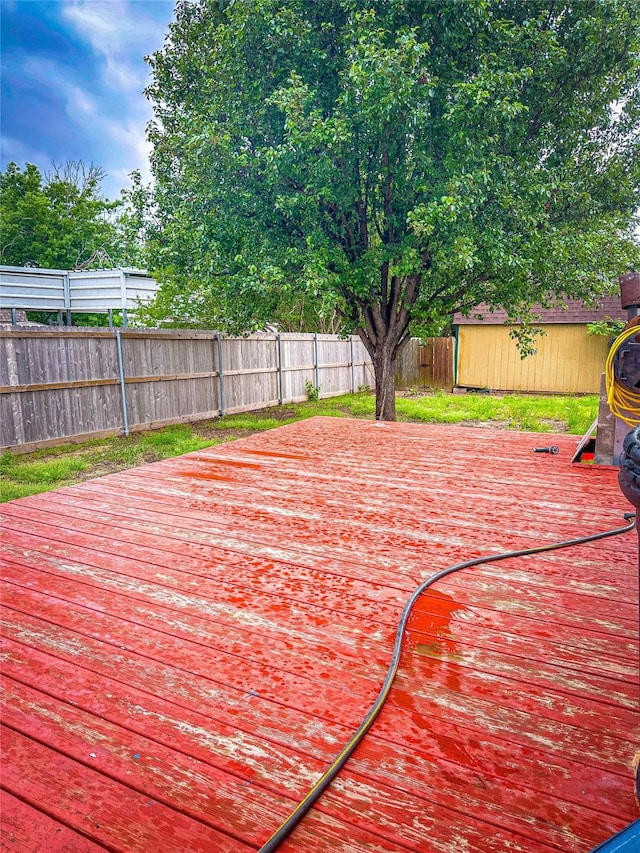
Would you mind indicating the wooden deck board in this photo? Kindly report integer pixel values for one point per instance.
(203, 634)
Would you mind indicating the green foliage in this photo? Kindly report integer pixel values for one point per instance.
(135, 222)
(50, 318)
(608, 327)
(392, 161)
(170, 441)
(513, 411)
(20, 478)
(58, 221)
(313, 391)
(61, 221)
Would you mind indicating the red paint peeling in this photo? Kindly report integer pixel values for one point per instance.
(237, 632)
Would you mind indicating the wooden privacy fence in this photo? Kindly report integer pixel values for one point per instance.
(436, 361)
(65, 384)
(428, 365)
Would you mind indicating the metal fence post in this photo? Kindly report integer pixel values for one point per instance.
(353, 377)
(220, 374)
(280, 392)
(315, 358)
(123, 387)
(66, 292)
(123, 297)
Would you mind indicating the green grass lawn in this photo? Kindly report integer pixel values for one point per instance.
(28, 474)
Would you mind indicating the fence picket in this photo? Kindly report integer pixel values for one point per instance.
(66, 384)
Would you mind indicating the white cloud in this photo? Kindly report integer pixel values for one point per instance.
(114, 25)
(79, 103)
(16, 151)
(121, 124)
(95, 107)
(131, 138)
(120, 33)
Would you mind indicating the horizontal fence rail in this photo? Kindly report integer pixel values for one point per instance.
(70, 384)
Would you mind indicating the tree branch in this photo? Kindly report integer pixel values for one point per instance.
(394, 296)
(338, 215)
(378, 320)
(411, 292)
(384, 284)
(369, 329)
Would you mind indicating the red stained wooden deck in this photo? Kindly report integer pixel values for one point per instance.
(188, 644)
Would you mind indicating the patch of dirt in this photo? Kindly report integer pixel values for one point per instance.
(106, 466)
(278, 413)
(350, 414)
(555, 424)
(222, 436)
(415, 392)
(100, 470)
(486, 424)
(208, 429)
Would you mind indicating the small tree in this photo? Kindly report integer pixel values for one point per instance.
(395, 161)
(58, 221)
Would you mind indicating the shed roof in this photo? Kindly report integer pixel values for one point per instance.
(188, 644)
(570, 311)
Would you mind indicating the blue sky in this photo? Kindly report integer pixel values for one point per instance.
(73, 73)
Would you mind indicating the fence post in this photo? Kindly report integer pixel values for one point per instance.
(280, 392)
(353, 378)
(220, 373)
(123, 297)
(66, 290)
(123, 387)
(315, 359)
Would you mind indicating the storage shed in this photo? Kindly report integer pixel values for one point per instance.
(568, 359)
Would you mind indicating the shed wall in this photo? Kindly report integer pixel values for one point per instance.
(568, 360)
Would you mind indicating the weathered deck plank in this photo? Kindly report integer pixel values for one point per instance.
(210, 628)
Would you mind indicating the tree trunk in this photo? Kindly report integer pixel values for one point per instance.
(385, 332)
(384, 368)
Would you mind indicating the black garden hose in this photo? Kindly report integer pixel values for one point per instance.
(629, 474)
(338, 763)
(629, 480)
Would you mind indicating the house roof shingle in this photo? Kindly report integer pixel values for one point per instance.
(571, 311)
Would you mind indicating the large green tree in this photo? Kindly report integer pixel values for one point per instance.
(395, 160)
(59, 220)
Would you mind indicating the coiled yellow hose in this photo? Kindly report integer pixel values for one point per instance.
(623, 402)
